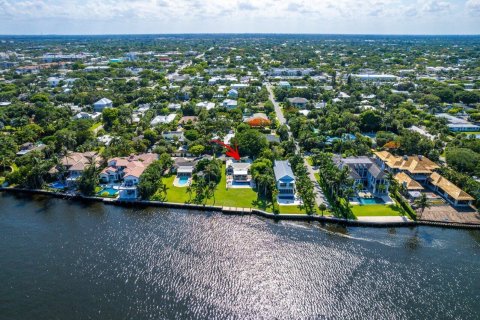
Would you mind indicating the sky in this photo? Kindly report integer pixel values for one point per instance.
(239, 16)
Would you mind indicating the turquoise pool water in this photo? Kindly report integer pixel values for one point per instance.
(183, 180)
(240, 183)
(111, 191)
(371, 201)
(58, 185)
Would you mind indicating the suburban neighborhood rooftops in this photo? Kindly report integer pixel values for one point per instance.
(103, 101)
(297, 100)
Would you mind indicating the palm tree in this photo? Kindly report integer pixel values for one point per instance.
(189, 191)
(164, 188)
(265, 180)
(322, 208)
(359, 187)
(392, 181)
(382, 188)
(422, 203)
(212, 187)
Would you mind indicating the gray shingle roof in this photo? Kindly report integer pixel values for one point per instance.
(283, 169)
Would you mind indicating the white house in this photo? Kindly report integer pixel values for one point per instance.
(237, 86)
(163, 119)
(102, 104)
(238, 172)
(87, 116)
(170, 135)
(54, 81)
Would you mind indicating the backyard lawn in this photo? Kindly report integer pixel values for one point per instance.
(233, 197)
(291, 209)
(378, 210)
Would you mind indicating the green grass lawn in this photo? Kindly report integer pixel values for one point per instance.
(310, 161)
(291, 209)
(233, 197)
(236, 197)
(378, 210)
(95, 126)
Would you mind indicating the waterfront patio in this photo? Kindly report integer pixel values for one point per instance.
(448, 213)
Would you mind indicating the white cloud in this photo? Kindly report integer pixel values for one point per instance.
(434, 6)
(221, 15)
(473, 7)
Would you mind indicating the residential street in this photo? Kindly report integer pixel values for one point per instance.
(319, 195)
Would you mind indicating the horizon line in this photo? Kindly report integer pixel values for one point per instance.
(238, 33)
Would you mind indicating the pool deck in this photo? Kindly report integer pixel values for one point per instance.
(178, 185)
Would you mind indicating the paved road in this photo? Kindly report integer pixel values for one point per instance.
(278, 110)
(319, 195)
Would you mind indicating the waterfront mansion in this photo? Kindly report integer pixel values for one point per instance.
(365, 172)
(127, 169)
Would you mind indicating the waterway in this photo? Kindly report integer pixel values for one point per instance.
(70, 260)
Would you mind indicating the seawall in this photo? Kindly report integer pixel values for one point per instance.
(243, 211)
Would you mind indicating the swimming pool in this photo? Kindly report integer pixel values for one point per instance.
(183, 180)
(111, 192)
(371, 201)
(58, 185)
(240, 183)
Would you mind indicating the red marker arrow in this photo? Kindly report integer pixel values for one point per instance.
(230, 151)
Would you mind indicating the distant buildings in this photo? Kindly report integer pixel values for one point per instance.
(456, 124)
(237, 86)
(232, 93)
(298, 102)
(422, 131)
(163, 119)
(29, 147)
(375, 77)
(291, 72)
(101, 104)
(229, 104)
(258, 120)
(284, 84)
(87, 116)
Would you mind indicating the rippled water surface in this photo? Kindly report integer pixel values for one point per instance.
(62, 260)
